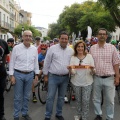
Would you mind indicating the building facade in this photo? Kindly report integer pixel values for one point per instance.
(11, 17)
(116, 34)
(27, 17)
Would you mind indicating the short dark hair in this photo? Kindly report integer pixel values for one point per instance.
(64, 33)
(10, 40)
(102, 29)
(37, 38)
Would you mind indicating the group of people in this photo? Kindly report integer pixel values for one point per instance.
(94, 70)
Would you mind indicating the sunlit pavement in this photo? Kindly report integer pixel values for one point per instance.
(37, 110)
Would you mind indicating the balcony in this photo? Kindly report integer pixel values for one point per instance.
(11, 29)
(12, 16)
(4, 25)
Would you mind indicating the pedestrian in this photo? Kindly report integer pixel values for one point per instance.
(55, 71)
(3, 52)
(82, 78)
(38, 43)
(107, 66)
(38, 46)
(23, 65)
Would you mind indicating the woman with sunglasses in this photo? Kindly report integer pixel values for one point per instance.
(81, 69)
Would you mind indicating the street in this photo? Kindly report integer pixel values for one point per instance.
(37, 110)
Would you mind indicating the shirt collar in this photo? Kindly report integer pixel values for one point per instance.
(61, 47)
(25, 46)
(102, 46)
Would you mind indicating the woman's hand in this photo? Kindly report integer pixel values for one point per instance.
(92, 71)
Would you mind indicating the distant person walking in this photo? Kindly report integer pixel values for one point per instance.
(23, 65)
(56, 73)
(107, 66)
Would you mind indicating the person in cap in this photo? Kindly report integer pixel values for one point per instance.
(10, 43)
(56, 41)
(37, 43)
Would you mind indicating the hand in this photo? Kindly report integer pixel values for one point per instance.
(46, 78)
(12, 79)
(92, 71)
(116, 80)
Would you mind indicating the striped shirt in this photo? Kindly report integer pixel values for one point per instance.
(57, 59)
(105, 58)
(24, 59)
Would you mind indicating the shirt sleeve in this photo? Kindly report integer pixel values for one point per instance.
(36, 63)
(115, 57)
(12, 61)
(91, 61)
(47, 62)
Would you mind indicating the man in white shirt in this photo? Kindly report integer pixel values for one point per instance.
(55, 70)
(23, 65)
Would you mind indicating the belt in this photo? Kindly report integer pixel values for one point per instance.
(61, 75)
(24, 72)
(104, 76)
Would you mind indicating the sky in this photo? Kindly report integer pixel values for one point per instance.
(45, 12)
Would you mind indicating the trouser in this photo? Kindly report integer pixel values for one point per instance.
(56, 83)
(2, 88)
(22, 90)
(109, 90)
(82, 95)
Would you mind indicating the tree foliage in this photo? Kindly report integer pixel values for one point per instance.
(113, 6)
(78, 16)
(18, 30)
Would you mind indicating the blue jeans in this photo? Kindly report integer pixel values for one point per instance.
(109, 88)
(22, 90)
(56, 83)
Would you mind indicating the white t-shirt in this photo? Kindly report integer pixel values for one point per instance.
(82, 77)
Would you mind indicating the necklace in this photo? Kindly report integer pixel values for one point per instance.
(81, 59)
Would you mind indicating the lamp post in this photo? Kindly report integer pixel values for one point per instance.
(22, 30)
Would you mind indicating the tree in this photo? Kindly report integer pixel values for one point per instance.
(113, 6)
(18, 30)
(78, 16)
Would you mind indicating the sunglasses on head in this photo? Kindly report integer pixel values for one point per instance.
(43, 49)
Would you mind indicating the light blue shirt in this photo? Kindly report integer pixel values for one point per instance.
(57, 59)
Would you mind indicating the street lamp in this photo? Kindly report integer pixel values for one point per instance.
(22, 30)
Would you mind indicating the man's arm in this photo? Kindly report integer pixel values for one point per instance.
(116, 69)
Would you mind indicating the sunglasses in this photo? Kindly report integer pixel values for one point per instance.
(43, 49)
(80, 62)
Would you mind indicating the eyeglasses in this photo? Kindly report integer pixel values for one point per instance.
(8, 43)
(28, 36)
(43, 49)
(102, 34)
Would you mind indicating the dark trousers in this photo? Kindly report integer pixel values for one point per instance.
(2, 88)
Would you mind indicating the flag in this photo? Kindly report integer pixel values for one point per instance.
(89, 35)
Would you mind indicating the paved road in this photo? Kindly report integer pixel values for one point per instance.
(37, 110)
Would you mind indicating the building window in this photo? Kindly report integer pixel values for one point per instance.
(116, 37)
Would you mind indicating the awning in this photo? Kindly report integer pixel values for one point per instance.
(9, 35)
